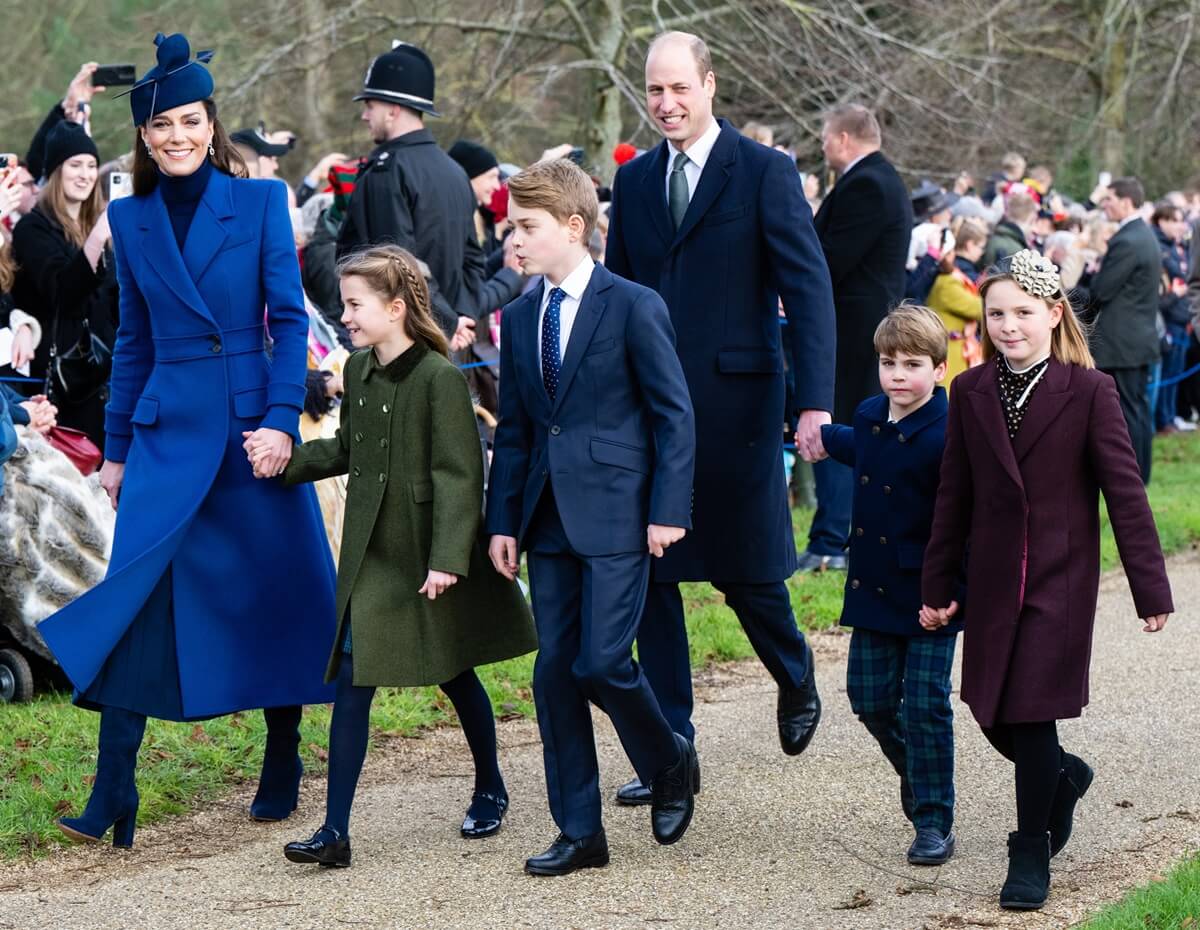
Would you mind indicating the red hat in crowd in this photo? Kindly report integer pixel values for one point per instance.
(624, 152)
(499, 203)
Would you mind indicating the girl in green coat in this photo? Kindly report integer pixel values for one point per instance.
(417, 600)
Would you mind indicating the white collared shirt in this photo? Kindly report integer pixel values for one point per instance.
(697, 157)
(573, 286)
(846, 170)
(1135, 215)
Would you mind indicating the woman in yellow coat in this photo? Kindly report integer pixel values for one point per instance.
(955, 297)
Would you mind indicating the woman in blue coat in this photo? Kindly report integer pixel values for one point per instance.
(219, 594)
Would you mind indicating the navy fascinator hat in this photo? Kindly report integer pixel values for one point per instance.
(176, 79)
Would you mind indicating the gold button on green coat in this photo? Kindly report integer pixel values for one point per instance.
(420, 510)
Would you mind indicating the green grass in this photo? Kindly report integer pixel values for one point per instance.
(1172, 903)
(47, 747)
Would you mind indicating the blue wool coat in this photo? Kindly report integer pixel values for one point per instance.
(746, 243)
(896, 467)
(235, 571)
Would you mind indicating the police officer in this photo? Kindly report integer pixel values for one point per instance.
(438, 226)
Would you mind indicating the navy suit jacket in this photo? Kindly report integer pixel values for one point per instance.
(617, 445)
(745, 243)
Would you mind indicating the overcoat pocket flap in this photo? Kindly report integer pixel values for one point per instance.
(422, 491)
(620, 455)
(250, 404)
(910, 555)
(748, 361)
(146, 411)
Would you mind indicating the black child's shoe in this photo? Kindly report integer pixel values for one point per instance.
(1073, 782)
(1028, 882)
(566, 855)
(931, 847)
(328, 848)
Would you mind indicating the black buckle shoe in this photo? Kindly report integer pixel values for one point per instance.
(674, 796)
(798, 711)
(1028, 882)
(475, 828)
(931, 847)
(566, 855)
(328, 848)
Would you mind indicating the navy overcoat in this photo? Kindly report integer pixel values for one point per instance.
(896, 468)
(250, 575)
(1029, 509)
(745, 243)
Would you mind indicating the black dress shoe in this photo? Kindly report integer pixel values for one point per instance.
(634, 794)
(566, 855)
(1073, 782)
(798, 712)
(674, 798)
(490, 809)
(328, 848)
(931, 847)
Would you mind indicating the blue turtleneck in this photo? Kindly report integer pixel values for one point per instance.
(182, 196)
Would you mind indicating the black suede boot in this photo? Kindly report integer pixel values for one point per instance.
(1028, 882)
(1073, 782)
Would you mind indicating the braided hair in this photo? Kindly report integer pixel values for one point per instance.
(395, 274)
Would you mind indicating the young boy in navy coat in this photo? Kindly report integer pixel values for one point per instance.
(898, 677)
(592, 474)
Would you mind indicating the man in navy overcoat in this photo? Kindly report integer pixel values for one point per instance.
(719, 226)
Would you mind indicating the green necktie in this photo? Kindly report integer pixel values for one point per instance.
(677, 190)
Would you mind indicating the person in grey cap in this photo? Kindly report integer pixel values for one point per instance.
(412, 194)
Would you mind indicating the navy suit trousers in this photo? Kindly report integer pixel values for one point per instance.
(587, 611)
(765, 612)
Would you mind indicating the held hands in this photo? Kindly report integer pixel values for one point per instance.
(269, 451)
(437, 583)
(934, 618)
(660, 538)
(502, 550)
(808, 434)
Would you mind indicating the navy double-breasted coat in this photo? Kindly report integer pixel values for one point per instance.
(250, 582)
(745, 243)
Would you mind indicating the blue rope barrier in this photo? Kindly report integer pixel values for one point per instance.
(1167, 382)
(477, 365)
(22, 380)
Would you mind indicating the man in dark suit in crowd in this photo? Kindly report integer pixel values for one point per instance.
(719, 226)
(864, 224)
(412, 194)
(1125, 294)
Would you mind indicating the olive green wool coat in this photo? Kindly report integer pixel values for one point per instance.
(407, 438)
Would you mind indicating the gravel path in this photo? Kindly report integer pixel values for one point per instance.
(814, 842)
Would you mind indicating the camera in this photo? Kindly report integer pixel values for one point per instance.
(120, 184)
(115, 76)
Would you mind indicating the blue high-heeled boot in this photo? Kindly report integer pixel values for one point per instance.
(114, 799)
(279, 784)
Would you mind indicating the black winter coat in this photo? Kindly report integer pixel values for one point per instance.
(412, 194)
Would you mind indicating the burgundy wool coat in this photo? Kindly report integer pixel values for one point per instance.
(1028, 509)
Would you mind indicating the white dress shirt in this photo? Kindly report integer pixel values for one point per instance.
(697, 157)
(573, 286)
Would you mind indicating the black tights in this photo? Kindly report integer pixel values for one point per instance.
(1034, 750)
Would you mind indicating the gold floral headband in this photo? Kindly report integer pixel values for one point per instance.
(1035, 274)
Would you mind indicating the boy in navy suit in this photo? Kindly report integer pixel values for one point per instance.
(592, 474)
(898, 677)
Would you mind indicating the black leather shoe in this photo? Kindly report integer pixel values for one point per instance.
(490, 809)
(674, 799)
(798, 712)
(634, 794)
(1073, 782)
(931, 847)
(328, 848)
(1028, 882)
(566, 855)
(812, 562)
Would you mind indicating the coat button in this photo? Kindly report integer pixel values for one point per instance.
(887, 489)
(362, 402)
(879, 591)
(902, 439)
(859, 531)
(854, 584)
(216, 346)
(383, 443)
(358, 437)
(555, 430)
(874, 430)
(382, 478)
(883, 540)
(357, 472)
(386, 408)
(864, 480)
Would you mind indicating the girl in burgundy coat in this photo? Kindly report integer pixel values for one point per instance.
(1032, 437)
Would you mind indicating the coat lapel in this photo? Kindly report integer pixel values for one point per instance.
(985, 402)
(208, 233)
(591, 308)
(654, 191)
(1047, 402)
(713, 179)
(162, 254)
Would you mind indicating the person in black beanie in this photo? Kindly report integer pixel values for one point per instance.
(67, 280)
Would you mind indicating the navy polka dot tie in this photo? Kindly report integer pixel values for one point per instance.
(551, 364)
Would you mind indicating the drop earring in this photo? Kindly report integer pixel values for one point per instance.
(212, 153)
(149, 151)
